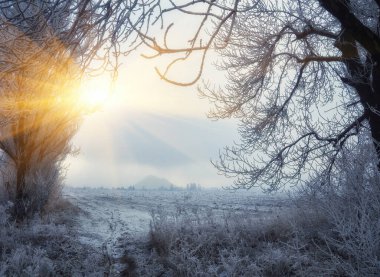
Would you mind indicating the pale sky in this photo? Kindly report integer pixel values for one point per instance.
(149, 127)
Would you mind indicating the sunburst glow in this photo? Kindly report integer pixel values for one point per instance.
(95, 92)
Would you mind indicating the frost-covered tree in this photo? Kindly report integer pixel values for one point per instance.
(303, 78)
(46, 47)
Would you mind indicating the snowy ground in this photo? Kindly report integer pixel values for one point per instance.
(117, 221)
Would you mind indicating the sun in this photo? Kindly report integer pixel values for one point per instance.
(95, 92)
(95, 96)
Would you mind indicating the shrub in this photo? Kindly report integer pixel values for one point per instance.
(349, 207)
(195, 242)
(42, 187)
(45, 247)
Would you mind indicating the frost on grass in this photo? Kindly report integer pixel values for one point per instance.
(330, 231)
(45, 247)
(323, 230)
(199, 243)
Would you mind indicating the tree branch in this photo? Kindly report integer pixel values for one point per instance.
(368, 39)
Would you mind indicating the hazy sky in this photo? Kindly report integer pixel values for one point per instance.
(149, 127)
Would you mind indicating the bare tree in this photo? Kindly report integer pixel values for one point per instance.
(46, 47)
(39, 116)
(303, 78)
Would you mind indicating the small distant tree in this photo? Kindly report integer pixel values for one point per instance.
(302, 77)
(193, 187)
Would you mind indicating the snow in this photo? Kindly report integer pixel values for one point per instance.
(117, 221)
(113, 212)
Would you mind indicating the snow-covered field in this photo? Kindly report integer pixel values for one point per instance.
(115, 232)
(112, 212)
(117, 222)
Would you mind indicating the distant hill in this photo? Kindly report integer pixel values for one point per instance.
(154, 183)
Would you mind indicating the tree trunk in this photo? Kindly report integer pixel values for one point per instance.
(365, 76)
(365, 79)
(374, 123)
(374, 108)
(20, 209)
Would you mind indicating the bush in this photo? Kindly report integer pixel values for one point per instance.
(46, 247)
(42, 188)
(350, 208)
(195, 242)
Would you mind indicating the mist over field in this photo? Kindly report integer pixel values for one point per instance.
(175, 147)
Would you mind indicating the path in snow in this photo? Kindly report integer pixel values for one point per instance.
(108, 222)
